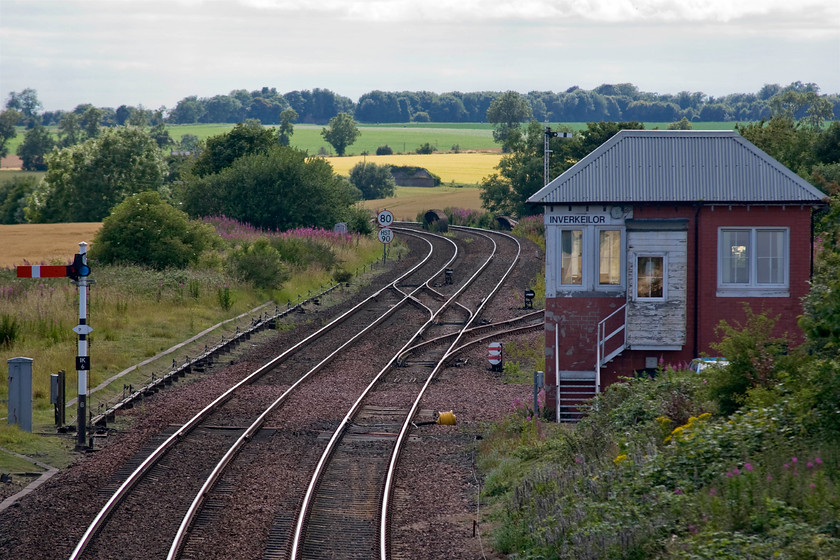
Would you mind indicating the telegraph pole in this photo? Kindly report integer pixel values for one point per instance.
(547, 151)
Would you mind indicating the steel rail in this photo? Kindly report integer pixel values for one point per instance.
(468, 332)
(144, 466)
(346, 421)
(403, 433)
(237, 446)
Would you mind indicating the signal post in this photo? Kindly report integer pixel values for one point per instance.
(78, 272)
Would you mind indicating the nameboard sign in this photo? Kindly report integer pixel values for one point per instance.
(587, 216)
(577, 219)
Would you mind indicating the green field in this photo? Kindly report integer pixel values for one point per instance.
(402, 138)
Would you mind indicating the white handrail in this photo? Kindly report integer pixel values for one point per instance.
(600, 352)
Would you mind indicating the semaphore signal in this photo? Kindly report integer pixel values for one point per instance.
(78, 272)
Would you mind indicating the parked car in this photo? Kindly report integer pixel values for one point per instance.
(699, 364)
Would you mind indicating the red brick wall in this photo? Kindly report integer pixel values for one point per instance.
(713, 309)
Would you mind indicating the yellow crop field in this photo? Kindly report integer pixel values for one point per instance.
(43, 243)
(408, 201)
(463, 168)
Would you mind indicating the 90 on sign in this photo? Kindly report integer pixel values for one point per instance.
(385, 235)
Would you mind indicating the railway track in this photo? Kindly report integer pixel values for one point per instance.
(264, 426)
(345, 511)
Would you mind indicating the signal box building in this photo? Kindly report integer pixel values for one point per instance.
(654, 238)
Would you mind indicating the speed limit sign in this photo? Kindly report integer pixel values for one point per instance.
(385, 235)
(385, 219)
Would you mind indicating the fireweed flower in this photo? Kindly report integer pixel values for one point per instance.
(748, 467)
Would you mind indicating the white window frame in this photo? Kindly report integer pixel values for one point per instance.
(636, 297)
(584, 276)
(590, 260)
(752, 288)
(622, 255)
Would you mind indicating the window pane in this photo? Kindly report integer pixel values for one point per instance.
(571, 257)
(770, 256)
(609, 262)
(735, 259)
(650, 277)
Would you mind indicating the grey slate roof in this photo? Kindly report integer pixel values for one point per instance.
(669, 166)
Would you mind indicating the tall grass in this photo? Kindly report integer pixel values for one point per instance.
(136, 313)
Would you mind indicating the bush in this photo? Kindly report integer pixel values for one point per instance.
(301, 252)
(145, 230)
(426, 149)
(342, 276)
(374, 181)
(533, 228)
(470, 218)
(754, 356)
(9, 330)
(359, 220)
(384, 150)
(13, 196)
(260, 264)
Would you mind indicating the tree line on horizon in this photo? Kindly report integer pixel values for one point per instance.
(607, 102)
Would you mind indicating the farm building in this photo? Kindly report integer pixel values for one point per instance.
(412, 177)
(654, 238)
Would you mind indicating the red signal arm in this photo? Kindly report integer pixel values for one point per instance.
(42, 271)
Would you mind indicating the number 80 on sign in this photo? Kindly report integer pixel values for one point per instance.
(385, 235)
(385, 218)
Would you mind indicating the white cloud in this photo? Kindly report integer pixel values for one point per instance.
(156, 52)
(608, 11)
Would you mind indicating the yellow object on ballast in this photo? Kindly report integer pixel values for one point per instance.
(446, 418)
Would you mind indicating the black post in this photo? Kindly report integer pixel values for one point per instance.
(60, 401)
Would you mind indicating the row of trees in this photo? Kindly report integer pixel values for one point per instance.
(607, 102)
(249, 174)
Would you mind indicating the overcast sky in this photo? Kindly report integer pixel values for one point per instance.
(154, 53)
